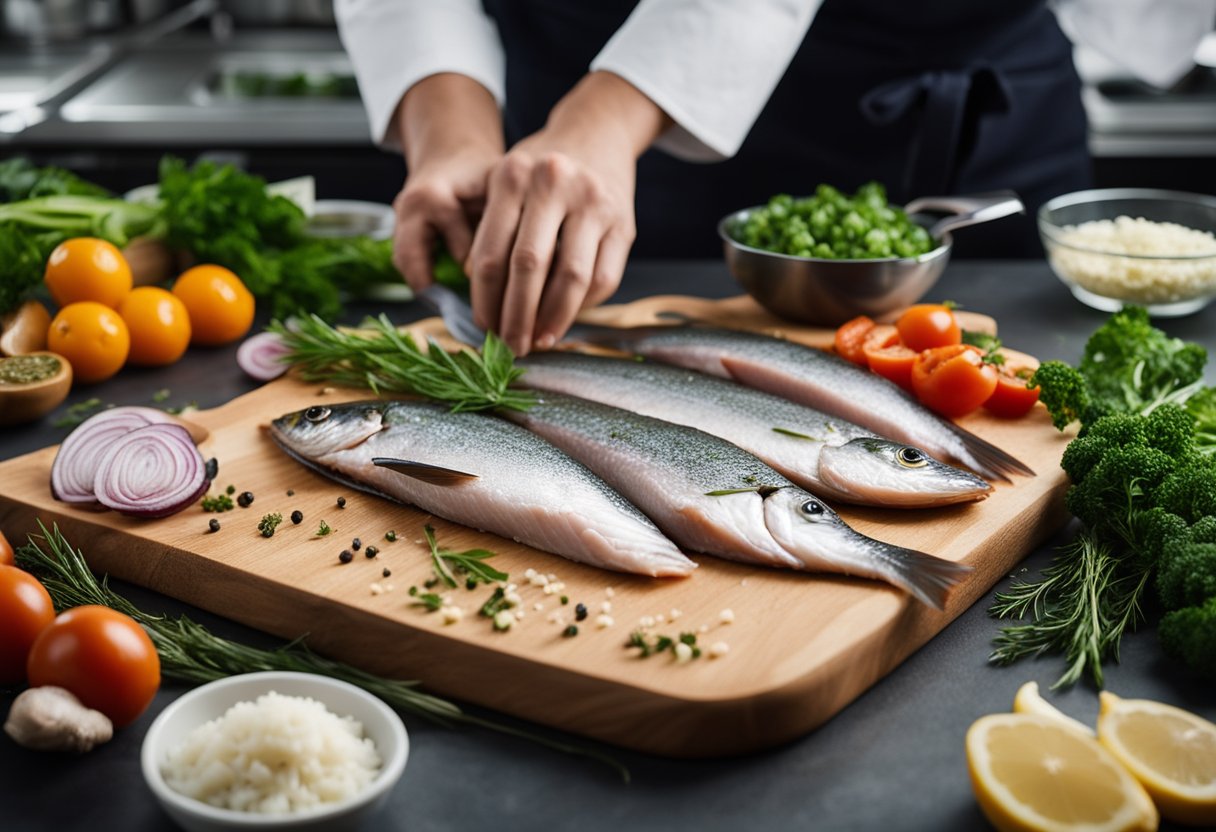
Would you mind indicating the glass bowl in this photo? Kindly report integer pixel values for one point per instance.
(1125, 261)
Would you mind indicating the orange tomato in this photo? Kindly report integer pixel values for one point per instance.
(92, 337)
(102, 656)
(928, 325)
(159, 326)
(850, 339)
(885, 355)
(85, 268)
(220, 307)
(953, 380)
(7, 556)
(25, 611)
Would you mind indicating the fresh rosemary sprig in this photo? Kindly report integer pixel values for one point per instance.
(470, 562)
(389, 361)
(1081, 608)
(190, 653)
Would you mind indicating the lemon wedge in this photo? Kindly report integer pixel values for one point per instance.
(1172, 752)
(1029, 701)
(1032, 773)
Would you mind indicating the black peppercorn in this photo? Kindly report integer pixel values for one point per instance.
(371, 551)
(346, 556)
(387, 572)
(297, 517)
(470, 584)
(211, 469)
(245, 498)
(341, 502)
(291, 493)
(214, 525)
(580, 612)
(570, 631)
(390, 535)
(356, 544)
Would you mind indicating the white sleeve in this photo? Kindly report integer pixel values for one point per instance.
(1153, 39)
(710, 64)
(394, 44)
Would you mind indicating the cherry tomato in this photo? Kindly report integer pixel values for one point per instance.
(85, 268)
(92, 337)
(1012, 398)
(102, 656)
(219, 305)
(7, 556)
(25, 611)
(928, 325)
(886, 356)
(953, 380)
(850, 339)
(159, 326)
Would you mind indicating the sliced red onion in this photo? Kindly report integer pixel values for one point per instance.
(75, 467)
(153, 471)
(261, 356)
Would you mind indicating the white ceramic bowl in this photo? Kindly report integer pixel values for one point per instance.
(210, 701)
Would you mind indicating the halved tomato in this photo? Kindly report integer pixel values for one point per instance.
(929, 325)
(887, 356)
(953, 380)
(1013, 397)
(850, 339)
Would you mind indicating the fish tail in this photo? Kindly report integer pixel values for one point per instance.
(987, 459)
(926, 577)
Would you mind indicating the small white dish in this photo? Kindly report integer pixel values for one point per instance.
(210, 701)
(351, 218)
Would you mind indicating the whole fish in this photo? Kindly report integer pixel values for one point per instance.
(482, 472)
(814, 378)
(828, 456)
(711, 496)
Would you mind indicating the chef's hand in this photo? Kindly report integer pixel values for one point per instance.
(558, 220)
(451, 132)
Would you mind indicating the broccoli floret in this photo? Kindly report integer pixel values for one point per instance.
(1120, 484)
(1189, 634)
(1130, 364)
(1062, 388)
(1170, 428)
(1190, 490)
(1186, 573)
(1153, 529)
(1202, 407)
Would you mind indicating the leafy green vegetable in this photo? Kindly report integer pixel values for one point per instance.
(833, 226)
(448, 272)
(1202, 407)
(470, 562)
(190, 653)
(387, 360)
(21, 179)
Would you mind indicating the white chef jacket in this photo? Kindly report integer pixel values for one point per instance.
(711, 65)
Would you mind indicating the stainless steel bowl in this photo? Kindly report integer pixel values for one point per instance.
(829, 292)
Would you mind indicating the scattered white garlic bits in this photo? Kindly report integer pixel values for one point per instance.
(276, 755)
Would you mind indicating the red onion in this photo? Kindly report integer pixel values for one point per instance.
(261, 356)
(75, 467)
(153, 471)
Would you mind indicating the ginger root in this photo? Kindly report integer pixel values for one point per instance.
(52, 719)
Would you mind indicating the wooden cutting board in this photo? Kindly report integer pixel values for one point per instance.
(801, 646)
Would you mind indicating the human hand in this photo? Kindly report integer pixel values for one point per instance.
(558, 220)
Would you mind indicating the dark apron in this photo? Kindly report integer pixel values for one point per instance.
(930, 97)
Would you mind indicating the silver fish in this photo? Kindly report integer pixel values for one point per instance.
(483, 472)
(828, 456)
(814, 378)
(711, 496)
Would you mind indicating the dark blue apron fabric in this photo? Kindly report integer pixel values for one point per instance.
(928, 97)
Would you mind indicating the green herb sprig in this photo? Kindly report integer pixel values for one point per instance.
(217, 503)
(77, 413)
(269, 523)
(191, 653)
(471, 562)
(323, 529)
(385, 360)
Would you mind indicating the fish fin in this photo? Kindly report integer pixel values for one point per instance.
(989, 460)
(424, 472)
(925, 577)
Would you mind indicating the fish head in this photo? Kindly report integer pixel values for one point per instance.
(804, 525)
(881, 472)
(319, 430)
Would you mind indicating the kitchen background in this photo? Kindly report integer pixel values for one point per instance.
(105, 87)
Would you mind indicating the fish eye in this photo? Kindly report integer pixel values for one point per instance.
(911, 457)
(812, 508)
(316, 413)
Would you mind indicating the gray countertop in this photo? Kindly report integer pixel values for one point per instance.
(892, 760)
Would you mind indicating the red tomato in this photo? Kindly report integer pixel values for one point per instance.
(103, 657)
(953, 380)
(25, 611)
(886, 356)
(1012, 398)
(7, 556)
(850, 339)
(928, 325)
